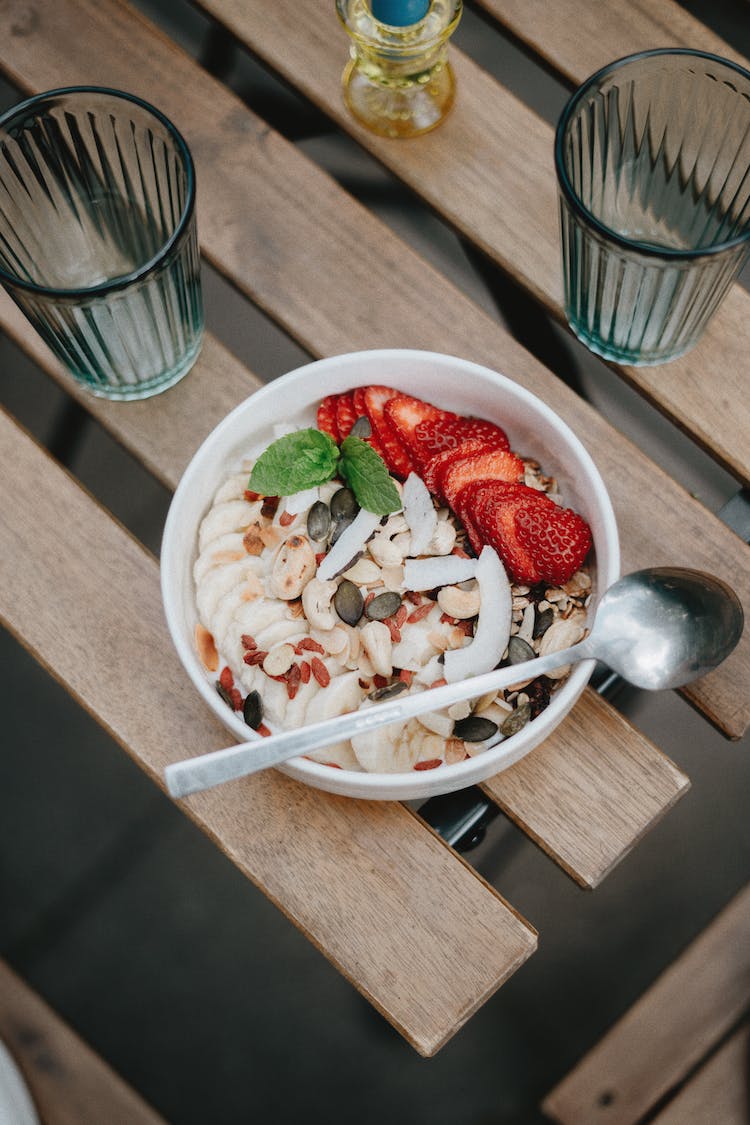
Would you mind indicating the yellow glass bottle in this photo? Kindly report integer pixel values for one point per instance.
(399, 82)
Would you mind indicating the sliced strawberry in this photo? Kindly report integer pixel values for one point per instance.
(494, 464)
(346, 415)
(327, 417)
(498, 464)
(360, 409)
(537, 540)
(426, 431)
(436, 465)
(393, 450)
(463, 506)
(485, 431)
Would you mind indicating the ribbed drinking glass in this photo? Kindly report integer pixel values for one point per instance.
(98, 243)
(653, 163)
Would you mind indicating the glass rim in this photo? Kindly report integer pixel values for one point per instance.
(122, 281)
(569, 194)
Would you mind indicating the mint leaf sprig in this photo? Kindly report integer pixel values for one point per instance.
(307, 458)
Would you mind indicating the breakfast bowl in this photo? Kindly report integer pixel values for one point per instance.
(291, 402)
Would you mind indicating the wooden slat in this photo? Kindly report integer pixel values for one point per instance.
(586, 796)
(667, 1032)
(258, 226)
(719, 1092)
(576, 38)
(488, 170)
(550, 792)
(69, 1083)
(403, 917)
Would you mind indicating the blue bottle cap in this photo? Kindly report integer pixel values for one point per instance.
(399, 13)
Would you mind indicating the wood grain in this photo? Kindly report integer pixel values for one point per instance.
(420, 934)
(69, 1083)
(576, 37)
(258, 227)
(720, 1091)
(667, 1032)
(489, 171)
(558, 788)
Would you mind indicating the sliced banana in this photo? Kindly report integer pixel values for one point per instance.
(342, 695)
(219, 581)
(397, 747)
(218, 553)
(231, 515)
(232, 489)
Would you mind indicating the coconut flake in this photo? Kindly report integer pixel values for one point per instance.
(348, 545)
(493, 624)
(440, 570)
(419, 513)
(301, 501)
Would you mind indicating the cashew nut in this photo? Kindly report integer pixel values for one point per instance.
(363, 573)
(402, 542)
(316, 603)
(385, 552)
(293, 568)
(443, 540)
(457, 603)
(560, 635)
(378, 646)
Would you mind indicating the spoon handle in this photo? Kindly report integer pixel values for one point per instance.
(195, 774)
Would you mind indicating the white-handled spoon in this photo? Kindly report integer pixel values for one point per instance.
(658, 628)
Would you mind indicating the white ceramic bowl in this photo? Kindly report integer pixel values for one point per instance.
(454, 384)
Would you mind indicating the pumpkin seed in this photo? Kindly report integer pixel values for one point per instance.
(224, 694)
(543, 622)
(389, 691)
(474, 729)
(348, 602)
(517, 720)
(519, 651)
(344, 505)
(319, 521)
(384, 605)
(252, 711)
(339, 528)
(361, 428)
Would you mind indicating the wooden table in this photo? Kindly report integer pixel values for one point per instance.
(392, 902)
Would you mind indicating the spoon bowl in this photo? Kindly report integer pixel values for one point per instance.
(665, 626)
(658, 628)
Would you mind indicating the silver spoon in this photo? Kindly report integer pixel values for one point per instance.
(659, 628)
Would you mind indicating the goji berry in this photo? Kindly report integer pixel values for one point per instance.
(226, 679)
(285, 519)
(430, 764)
(420, 612)
(248, 642)
(309, 645)
(304, 671)
(293, 680)
(319, 670)
(393, 629)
